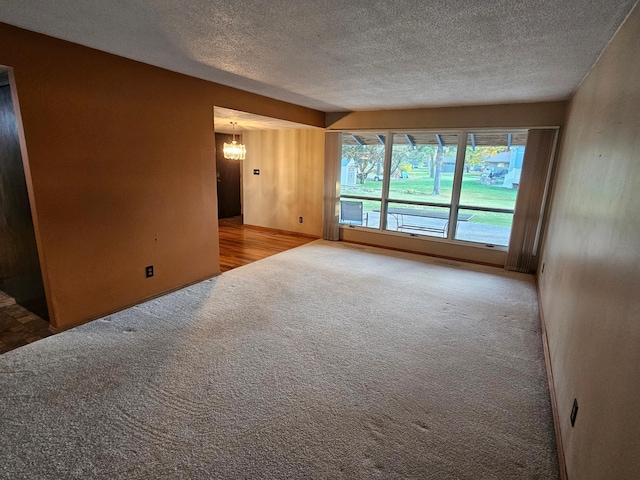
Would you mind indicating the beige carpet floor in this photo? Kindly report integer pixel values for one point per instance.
(329, 361)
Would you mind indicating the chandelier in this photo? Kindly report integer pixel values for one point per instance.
(234, 150)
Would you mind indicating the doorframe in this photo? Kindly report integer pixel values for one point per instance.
(30, 192)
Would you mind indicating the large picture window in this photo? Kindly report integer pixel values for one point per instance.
(454, 186)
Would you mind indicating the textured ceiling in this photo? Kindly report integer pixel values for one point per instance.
(222, 118)
(334, 55)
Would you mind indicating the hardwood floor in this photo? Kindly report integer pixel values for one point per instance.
(19, 326)
(243, 244)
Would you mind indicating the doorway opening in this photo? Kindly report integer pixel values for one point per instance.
(23, 307)
(229, 181)
(262, 204)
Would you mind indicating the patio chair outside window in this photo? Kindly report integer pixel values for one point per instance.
(351, 212)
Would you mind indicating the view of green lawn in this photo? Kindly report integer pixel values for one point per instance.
(419, 187)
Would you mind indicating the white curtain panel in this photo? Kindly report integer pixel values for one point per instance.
(330, 221)
(528, 212)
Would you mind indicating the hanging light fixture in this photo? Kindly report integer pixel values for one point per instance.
(234, 150)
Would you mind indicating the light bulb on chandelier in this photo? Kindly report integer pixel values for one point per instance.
(234, 150)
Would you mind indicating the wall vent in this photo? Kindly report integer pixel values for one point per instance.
(448, 264)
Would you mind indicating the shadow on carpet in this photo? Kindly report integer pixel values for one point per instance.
(328, 361)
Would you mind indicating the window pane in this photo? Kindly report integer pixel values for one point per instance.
(492, 169)
(484, 227)
(417, 220)
(422, 167)
(361, 213)
(362, 164)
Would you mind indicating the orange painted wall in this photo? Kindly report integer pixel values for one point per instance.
(122, 171)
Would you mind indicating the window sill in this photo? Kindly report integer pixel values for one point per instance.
(425, 244)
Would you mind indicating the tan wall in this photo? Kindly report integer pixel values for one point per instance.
(122, 171)
(290, 184)
(590, 287)
(547, 114)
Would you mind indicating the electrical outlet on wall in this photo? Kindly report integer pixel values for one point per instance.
(149, 271)
(300, 220)
(574, 412)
